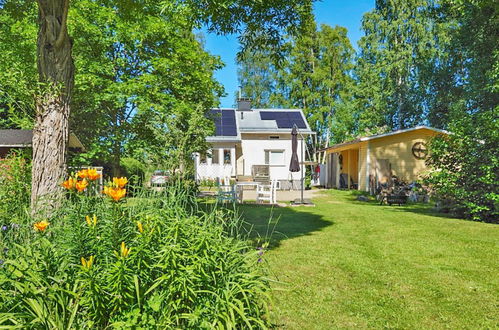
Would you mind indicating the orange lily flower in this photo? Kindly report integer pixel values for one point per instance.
(116, 193)
(81, 185)
(41, 225)
(92, 174)
(82, 174)
(120, 182)
(69, 183)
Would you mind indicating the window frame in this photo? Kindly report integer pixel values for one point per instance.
(267, 157)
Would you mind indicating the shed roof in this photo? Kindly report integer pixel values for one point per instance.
(378, 136)
(22, 138)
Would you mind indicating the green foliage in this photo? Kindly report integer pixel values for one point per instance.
(155, 261)
(315, 75)
(465, 169)
(246, 18)
(15, 187)
(133, 169)
(18, 75)
(400, 39)
(144, 82)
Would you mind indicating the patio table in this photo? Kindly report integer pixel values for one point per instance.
(241, 185)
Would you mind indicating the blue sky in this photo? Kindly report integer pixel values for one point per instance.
(347, 13)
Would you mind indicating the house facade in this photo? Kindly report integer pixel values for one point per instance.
(252, 145)
(366, 162)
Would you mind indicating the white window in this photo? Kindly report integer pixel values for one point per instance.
(274, 157)
(202, 157)
(227, 158)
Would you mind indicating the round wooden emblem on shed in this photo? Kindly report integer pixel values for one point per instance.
(419, 150)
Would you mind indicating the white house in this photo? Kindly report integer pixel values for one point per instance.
(253, 144)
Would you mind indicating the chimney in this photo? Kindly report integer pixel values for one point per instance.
(244, 104)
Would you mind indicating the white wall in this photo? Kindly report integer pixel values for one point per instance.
(254, 146)
(209, 170)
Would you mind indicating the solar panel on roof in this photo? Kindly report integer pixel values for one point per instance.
(295, 115)
(267, 115)
(225, 122)
(284, 119)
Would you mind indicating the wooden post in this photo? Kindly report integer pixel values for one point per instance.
(348, 169)
(233, 161)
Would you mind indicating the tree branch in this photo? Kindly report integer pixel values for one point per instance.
(64, 27)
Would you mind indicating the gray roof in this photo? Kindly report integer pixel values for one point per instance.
(15, 137)
(22, 138)
(250, 121)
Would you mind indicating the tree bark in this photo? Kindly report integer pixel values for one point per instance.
(51, 132)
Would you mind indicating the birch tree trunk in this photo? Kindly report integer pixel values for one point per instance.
(51, 132)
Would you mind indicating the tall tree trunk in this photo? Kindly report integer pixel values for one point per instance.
(51, 133)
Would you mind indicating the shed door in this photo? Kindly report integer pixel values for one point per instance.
(383, 171)
(332, 170)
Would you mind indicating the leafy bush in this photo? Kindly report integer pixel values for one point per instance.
(15, 187)
(465, 170)
(155, 261)
(133, 169)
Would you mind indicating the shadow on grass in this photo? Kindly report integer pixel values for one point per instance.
(274, 224)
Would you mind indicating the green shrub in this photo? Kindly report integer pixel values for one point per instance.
(465, 170)
(154, 261)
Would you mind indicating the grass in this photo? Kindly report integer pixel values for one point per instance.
(349, 264)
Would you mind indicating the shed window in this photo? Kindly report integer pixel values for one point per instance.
(274, 157)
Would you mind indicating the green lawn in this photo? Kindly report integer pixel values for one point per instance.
(349, 264)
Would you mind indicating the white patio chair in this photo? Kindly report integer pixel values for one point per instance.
(267, 193)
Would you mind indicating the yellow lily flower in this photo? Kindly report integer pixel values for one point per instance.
(124, 250)
(139, 226)
(91, 221)
(87, 264)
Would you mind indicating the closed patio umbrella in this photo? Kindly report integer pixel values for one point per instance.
(294, 165)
